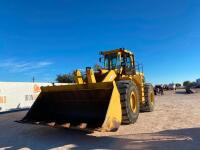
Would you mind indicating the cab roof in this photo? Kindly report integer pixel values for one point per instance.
(119, 50)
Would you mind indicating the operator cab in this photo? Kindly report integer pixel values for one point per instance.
(120, 60)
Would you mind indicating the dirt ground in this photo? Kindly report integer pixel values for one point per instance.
(174, 125)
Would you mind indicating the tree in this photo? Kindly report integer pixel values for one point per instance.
(178, 85)
(96, 67)
(65, 78)
(186, 83)
(193, 84)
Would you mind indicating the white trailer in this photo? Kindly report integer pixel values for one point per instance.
(18, 95)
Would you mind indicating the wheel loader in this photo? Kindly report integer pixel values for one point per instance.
(102, 100)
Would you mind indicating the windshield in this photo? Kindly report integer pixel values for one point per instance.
(111, 61)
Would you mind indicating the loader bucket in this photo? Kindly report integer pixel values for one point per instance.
(91, 106)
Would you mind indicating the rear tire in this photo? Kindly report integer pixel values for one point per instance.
(129, 101)
(149, 104)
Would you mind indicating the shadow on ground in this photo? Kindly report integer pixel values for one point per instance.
(181, 92)
(16, 136)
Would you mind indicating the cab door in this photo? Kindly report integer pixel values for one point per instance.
(128, 64)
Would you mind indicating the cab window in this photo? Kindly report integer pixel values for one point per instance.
(128, 62)
(106, 62)
(111, 61)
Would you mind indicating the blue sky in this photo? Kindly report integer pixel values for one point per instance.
(45, 38)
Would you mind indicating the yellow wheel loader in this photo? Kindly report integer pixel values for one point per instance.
(102, 100)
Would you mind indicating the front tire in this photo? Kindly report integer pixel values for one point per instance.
(129, 98)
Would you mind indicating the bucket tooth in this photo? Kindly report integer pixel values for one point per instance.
(65, 125)
(83, 125)
(51, 124)
(37, 122)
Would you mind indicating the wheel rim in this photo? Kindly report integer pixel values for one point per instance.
(152, 98)
(133, 102)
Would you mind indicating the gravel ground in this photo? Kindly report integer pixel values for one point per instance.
(175, 124)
